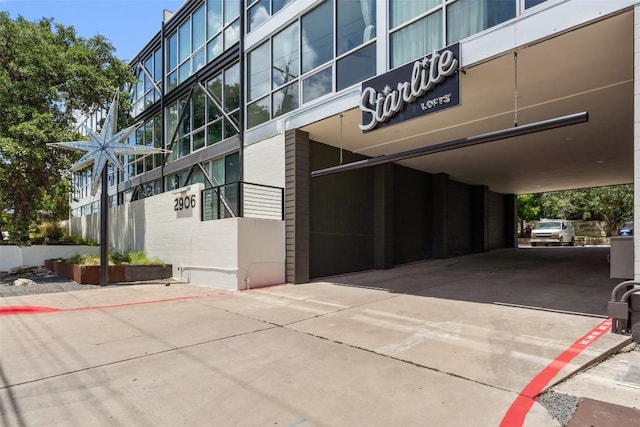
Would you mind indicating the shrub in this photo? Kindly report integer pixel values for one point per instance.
(115, 258)
(50, 230)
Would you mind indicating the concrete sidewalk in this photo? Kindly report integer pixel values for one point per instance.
(319, 354)
(465, 341)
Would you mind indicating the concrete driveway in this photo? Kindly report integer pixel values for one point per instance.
(446, 342)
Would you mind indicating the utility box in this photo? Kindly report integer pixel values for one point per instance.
(621, 257)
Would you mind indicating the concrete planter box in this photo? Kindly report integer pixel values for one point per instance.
(90, 274)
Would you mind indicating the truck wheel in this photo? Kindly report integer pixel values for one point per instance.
(572, 242)
(533, 244)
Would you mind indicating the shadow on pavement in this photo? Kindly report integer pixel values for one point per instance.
(571, 279)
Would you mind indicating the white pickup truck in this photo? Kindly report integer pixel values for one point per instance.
(553, 232)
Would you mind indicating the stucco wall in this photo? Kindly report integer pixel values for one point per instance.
(15, 256)
(225, 253)
(263, 162)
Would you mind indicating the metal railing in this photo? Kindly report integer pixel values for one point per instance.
(242, 199)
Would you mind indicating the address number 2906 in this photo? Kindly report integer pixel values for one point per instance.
(186, 202)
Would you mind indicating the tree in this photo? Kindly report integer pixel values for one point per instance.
(611, 204)
(46, 73)
(566, 204)
(529, 208)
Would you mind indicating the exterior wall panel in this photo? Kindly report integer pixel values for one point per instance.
(263, 162)
(412, 231)
(459, 219)
(221, 253)
(341, 220)
(296, 202)
(497, 219)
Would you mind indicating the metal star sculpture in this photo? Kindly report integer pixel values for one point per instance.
(100, 150)
(106, 147)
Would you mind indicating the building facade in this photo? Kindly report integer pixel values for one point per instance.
(360, 134)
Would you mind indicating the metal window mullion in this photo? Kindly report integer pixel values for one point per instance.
(335, 46)
(146, 72)
(180, 118)
(226, 115)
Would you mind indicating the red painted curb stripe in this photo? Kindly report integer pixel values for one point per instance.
(17, 309)
(519, 409)
(13, 310)
(129, 304)
(25, 309)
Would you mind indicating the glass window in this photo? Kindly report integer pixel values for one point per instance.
(258, 71)
(184, 146)
(276, 5)
(232, 88)
(148, 162)
(178, 180)
(532, 3)
(232, 34)
(317, 37)
(199, 102)
(214, 48)
(258, 13)
(148, 64)
(285, 100)
(185, 124)
(184, 71)
(231, 168)
(157, 131)
(173, 81)
(356, 24)
(214, 132)
(231, 10)
(172, 120)
(199, 140)
(229, 129)
(184, 41)
(197, 177)
(258, 112)
(157, 65)
(317, 84)
(217, 171)
(139, 84)
(172, 52)
(198, 60)
(356, 67)
(401, 11)
(198, 27)
(215, 88)
(285, 62)
(416, 40)
(467, 17)
(214, 17)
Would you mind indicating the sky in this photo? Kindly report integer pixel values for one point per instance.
(127, 24)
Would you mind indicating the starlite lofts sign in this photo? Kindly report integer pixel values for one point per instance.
(425, 86)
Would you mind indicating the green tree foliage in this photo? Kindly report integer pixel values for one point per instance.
(46, 73)
(529, 208)
(611, 204)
